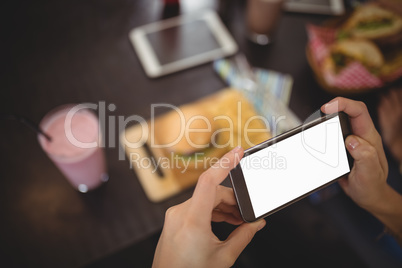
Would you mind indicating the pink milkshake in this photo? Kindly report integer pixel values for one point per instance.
(74, 147)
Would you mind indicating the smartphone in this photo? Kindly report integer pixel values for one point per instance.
(288, 167)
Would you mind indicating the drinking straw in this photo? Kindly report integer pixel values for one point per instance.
(26, 122)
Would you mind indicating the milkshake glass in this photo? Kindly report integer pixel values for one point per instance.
(75, 146)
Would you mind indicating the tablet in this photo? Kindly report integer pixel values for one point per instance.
(182, 42)
(331, 7)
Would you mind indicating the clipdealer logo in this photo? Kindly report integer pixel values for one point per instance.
(325, 147)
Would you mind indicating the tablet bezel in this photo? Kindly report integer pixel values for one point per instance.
(153, 68)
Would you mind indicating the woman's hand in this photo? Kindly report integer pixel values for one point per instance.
(187, 239)
(367, 183)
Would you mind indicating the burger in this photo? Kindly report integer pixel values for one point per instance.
(346, 51)
(374, 23)
(192, 140)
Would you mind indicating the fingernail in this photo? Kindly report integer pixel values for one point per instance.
(324, 108)
(237, 149)
(329, 104)
(262, 224)
(353, 143)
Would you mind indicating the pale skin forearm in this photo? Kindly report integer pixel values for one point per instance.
(389, 212)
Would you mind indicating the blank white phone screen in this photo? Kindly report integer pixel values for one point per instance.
(295, 166)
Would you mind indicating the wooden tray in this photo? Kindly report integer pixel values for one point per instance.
(165, 182)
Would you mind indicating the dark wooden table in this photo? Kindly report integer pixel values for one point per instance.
(58, 52)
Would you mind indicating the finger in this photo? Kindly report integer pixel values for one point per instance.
(241, 237)
(360, 121)
(364, 154)
(218, 172)
(218, 216)
(204, 195)
(232, 209)
(360, 118)
(225, 201)
(224, 195)
(366, 161)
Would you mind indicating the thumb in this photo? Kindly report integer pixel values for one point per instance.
(241, 237)
(366, 161)
(364, 154)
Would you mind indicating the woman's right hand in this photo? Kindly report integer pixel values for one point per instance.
(367, 183)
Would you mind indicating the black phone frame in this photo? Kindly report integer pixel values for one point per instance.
(237, 179)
